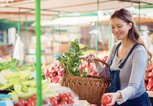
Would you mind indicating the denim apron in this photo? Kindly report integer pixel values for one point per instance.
(143, 100)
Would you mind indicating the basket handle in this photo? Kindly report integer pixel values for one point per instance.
(103, 62)
(104, 74)
(99, 60)
(106, 71)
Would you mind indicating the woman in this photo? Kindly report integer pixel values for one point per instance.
(128, 60)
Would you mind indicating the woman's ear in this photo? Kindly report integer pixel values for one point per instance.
(130, 25)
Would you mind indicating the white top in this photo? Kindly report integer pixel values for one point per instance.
(132, 74)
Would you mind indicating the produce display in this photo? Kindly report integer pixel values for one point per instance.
(62, 99)
(20, 82)
(20, 85)
(53, 72)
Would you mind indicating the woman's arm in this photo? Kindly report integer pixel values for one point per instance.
(139, 64)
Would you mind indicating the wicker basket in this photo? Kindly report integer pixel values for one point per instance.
(87, 88)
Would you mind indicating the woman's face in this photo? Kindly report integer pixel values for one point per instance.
(120, 28)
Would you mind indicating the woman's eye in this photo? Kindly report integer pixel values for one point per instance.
(119, 26)
(112, 27)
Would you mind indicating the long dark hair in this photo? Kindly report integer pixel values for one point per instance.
(133, 34)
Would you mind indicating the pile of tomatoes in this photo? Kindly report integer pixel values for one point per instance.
(30, 102)
(63, 99)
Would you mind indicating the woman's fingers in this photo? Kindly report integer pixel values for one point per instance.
(112, 103)
(89, 58)
(112, 100)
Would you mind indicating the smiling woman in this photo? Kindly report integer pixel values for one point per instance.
(120, 28)
(127, 78)
(128, 60)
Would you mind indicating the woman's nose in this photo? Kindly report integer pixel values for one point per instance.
(115, 29)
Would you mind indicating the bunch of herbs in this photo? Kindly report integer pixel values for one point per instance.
(70, 60)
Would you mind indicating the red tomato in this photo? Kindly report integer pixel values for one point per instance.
(65, 98)
(106, 100)
(32, 101)
(21, 102)
(54, 100)
(60, 95)
(34, 97)
(63, 103)
(65, 94)
(70, 101)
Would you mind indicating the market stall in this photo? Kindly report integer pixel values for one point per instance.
(27, 10)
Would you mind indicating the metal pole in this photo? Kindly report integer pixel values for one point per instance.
(38, 54)
(97, 25)
(139, 16)
(110, 38)
(19, 24)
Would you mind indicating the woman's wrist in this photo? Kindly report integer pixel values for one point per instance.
(119, 98)
(118, 95)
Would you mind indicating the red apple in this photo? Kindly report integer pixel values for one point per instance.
(105, 100)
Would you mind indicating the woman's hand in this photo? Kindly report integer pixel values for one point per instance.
(89, 58)
(114, 97)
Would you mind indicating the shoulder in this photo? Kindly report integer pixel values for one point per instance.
(140, 50)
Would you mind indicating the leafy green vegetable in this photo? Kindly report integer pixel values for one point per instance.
(70, 60)
(8, 64)
(27, 67)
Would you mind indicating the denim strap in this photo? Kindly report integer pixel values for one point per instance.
(116, 49)
(123, 63)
